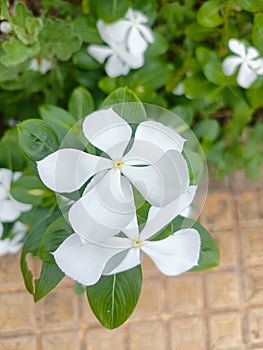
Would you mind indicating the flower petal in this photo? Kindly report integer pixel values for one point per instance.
(135, 42)
(257, 66)
(151, 141)
(175, 254)
(6, 178)
(237, 47)
(115, 32)
(230, 65)
(3, 192)
(134, 61)
(252, 53)
(115, 67)
(158, 218)
(1, 229)
(105, 209)
(136, 15)
(22, 207)
(107, 131)
(121, 262)
(99, 52)
(8, 211)
(246, 76)
(66, 170)
(83, 262)
(132, 229)
(162, 182)
(146, 33)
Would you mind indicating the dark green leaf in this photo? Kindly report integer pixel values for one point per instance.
(86, 29)
(208, 14)
(251, 5)
(111, 10)
(81, 103)
(16, 52)
(10, 154)
(113, 298)
(257, 34)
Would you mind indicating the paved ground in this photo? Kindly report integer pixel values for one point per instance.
(221, 309)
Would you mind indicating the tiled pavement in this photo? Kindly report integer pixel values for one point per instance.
(221, 309)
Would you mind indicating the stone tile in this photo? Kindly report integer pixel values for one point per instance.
(254, 284)
(225, 332)
(187, 334)
(18, 343)
(239, 181)
(59, 340)
(10, 274)
(147, 336)
(58, 307)
(183, 293)
(218, 210)
(222, 289)
(148, 268)
(150, 302)
(218, 185)
(104, 339)
(86, 314)
(17, 311)
(255, 324)
(227, 244)
(248, 206)
(252, 245)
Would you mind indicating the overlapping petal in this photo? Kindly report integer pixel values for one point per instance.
(122, 262)
(66, 170)
(8, 211)
(237, 47)
(105, 129)
(175, 254)
(230, 65)
(135, 42)
(246, 76)
(99, 52)
(116, 67)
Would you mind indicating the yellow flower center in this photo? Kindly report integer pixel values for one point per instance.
(137, 243)
(118, 163)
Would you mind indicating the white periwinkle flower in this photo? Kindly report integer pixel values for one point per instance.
(41, 65)
(249, 60)
(119, 60)
(85, 261)
(10, 209)
(5, 27)
(11, 245)
(153, 164)
(127, 40)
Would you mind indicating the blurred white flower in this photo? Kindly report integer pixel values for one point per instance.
(10, 209)
(5, 27)
(119, 60)
(41, 65)
(85, 261)
(12, 244)
(249, 60)
(154, 165)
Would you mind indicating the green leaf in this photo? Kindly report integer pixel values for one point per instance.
(16, 52)
(207, 129)
(81, 103)
(251, 5)
(38, 219)
(128, 105)
(158, 47)
(52, 238)
(25, 25)
(49, 278)
(213, 72)
(209, 255)
(11, 156)
(198, 33)
(208, 14)
(257, 33)
(56, 115)
(37, 139)
(83, 60)
(85, 28)
(111, 10)
(184, 112)
(205, 55)
(113, 298)
(60, 38)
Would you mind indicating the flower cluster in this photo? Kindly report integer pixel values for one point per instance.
(127, 40)
(10, 210)
(40, 64)
(107, 236)
(249, 60)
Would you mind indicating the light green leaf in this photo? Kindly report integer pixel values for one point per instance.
(251, 5)
(209, 255)
(81, 103)
(208, 14)
(113, 298)
(158, 47)
(16, 52)
(207, 129)
(111, 10)
(85, 28)
(257, 33)
(60, 38)
(184, 112)
(213, 72)
(126, 104)
(205, 55)
(57, 115)
(49, 278)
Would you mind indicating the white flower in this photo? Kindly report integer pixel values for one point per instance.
(14, 244)
(85, 262)
(5, 27)
(10, 209)
(154, 165)
(119, 60)
(248, 59)
(132, 31)
(40, 65)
